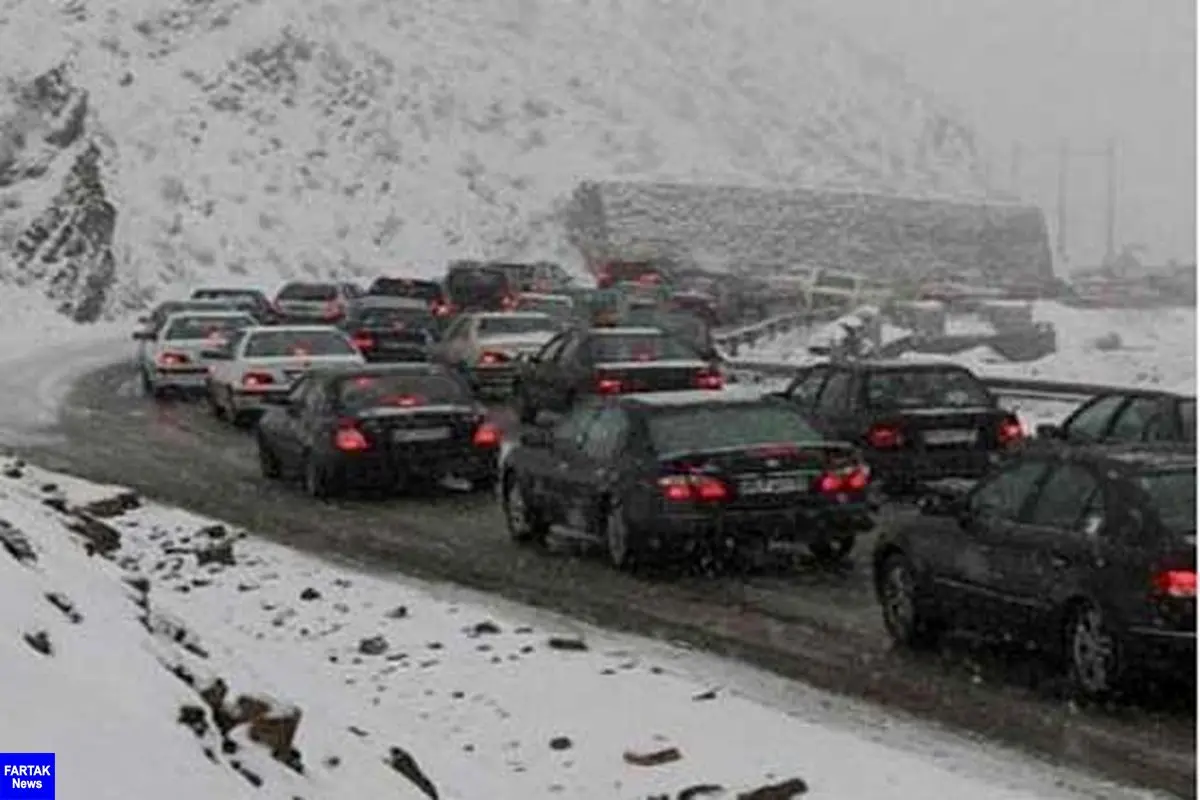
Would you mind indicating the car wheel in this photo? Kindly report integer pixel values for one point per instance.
(832, 551)
(214, 405)
(316, 480)
(905, 613)
(1092, 659)
(268, 461)
(525, 523)
(619, 540)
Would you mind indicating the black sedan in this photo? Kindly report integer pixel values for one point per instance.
(681, 471)
(379, 426)
(1132, 416)
(917, 422)
(1089, 552)
(390, 329)
(584, 362)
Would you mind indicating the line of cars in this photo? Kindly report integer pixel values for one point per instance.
(1081, 539)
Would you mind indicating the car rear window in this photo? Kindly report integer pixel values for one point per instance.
(226, 294)
(1187, 417)
(926, 388)
(717, 427)
(403, 287)
(394, 317)
(1173, 498)
(477, 282)
(282, 344)
(374, 391)
(309, 292)
(619, 347)
(194, 328)
(515, 324)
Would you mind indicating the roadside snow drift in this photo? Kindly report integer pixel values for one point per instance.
(164, 655)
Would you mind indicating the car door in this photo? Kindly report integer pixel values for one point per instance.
(1052, 543)
(806, 387)
(835, 409)
(223, 360)
(590, 477)
(287, 424)
(453, 341)
(567, 457)
(972, 576)
(535, 375)
(1092, 421)
(1133, 421)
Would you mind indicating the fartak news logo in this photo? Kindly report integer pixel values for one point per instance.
(27, 776)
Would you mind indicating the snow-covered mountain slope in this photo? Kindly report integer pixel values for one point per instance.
(299, 137)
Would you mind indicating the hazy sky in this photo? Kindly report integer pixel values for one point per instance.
(1037, 70)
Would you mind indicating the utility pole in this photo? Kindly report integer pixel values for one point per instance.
(1064, 165)
(1110, 208)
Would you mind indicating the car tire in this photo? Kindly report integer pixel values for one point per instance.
(315, 480)
(526, 524)
(832, 551)
(1092, 656)
(214, 405)
(268, 461)
(905, 608)
(620, 542)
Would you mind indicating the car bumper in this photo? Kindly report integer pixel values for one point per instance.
(191, 379)
(255, 402)
(798, 525)
(386, 469)
(1161, 649)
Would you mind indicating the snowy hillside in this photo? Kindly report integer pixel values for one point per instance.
(299, 137)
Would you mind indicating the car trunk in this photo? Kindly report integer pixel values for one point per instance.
(764, 476)
(284, 370)
(624, 377)
(310, 309)
(192, 350)
(423, 432)
(940, 429)
(397, 342)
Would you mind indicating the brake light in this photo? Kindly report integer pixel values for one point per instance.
(709, 379)
(489, 358)
(257, 380)
(609, 386)
(884, 437)
(693, 489)
(333, 309)
(486, 435)
(171, 359)
(844, 481)
(363, 340)
(348, 438)
(1179, 583)
(442, 309)
(1010, 432)
(509, 302)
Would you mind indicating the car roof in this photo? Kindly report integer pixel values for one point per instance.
(292, 329)
(208, 302)
(731, 395)
(1137, 457)
(630, 331)
(1135, 391)
(388, 301)
(225, 290)
(209, 314)
(510, 315)
(403, 279)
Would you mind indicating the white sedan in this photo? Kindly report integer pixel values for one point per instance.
(172, 360)
(264, 361)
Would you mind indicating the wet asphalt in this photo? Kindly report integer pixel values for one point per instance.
(815, 624)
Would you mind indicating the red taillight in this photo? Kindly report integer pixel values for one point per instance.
(486, 435)
(363, 340)
(609, 386)
(884, 437)
(172, 359)
(257, 380)
(1010, 432)
(709, 379)
(693, 489)
(490, 358)
(1175, 583)
(442, 309)
(509, 303)
(348, 438)
(333, 309)
(845, 481)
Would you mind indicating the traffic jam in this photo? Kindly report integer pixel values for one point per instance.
(607, 415)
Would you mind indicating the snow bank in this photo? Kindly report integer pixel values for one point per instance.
(112, 661)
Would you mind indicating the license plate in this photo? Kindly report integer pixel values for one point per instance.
(950, 437)
(421, 435)
(795, 483)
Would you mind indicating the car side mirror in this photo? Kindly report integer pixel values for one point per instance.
(1050, 432)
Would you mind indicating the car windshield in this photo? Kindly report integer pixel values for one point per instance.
(515, 324)
(1173, 497)
(612, 348)
(722, 427)
(1187, 417)
(309, 292)
(286, 344)
(400, 391)
(398, 318)
(926, 388)
(195, 328)
(477, 285)
(403, 287)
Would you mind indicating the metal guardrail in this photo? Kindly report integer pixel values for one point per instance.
(1020, 388)
(735, 339)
